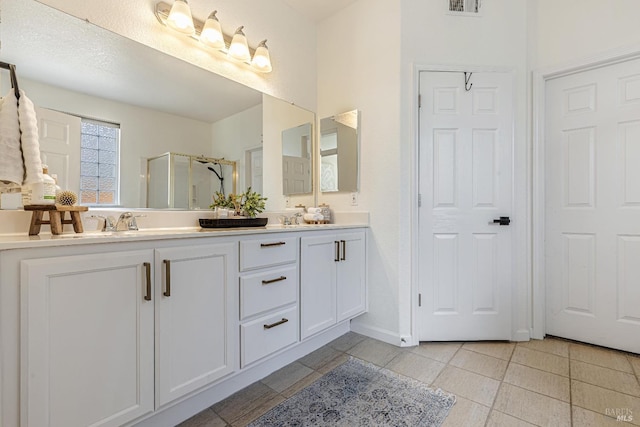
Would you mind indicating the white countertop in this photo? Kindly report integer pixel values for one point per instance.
(24, 241)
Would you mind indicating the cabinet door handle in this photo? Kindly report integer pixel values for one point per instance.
(167, 278)
(344, 250)
(279, 279)
(269, 245)
(278, 323)
(147, 267)
(337, 258)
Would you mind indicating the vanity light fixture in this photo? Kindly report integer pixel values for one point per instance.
(211, 34)
(261, 60)
(239, 49)
(178, 17)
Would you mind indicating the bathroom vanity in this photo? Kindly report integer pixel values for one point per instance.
(151, 327)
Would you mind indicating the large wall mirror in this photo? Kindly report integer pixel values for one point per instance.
(339, 147)
(160, 105)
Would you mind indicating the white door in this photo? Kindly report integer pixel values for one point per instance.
(253, 160)
(60, 146)
(592, 218)
(466, 143)
(296, 174)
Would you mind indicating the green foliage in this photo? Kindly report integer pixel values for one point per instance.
(248, 203)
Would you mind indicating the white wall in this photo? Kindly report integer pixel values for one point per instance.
(575, 29)
(143, 132)
(359, 68)
(291, 39)
(278, 115)
(366, 59)
(235, 134)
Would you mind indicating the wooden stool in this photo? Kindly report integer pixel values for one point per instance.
(56, 218)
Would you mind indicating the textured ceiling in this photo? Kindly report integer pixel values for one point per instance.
(54, 48)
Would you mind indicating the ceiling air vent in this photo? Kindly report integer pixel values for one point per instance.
(467, 7)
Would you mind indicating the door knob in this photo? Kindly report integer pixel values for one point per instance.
(503, 220)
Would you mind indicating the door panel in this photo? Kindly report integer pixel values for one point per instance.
(60, 146)
(87, 336)
(196, 321)
(465, 183)
(592, 206)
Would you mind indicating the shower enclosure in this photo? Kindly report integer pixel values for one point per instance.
(185, 181)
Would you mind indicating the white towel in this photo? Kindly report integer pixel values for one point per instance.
(313, 217)
(314, 210)
(11, 166)
(30, 141)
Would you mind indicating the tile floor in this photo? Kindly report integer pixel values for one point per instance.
(552, 382)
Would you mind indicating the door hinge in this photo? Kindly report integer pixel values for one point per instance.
(419, 200)
(419, 300)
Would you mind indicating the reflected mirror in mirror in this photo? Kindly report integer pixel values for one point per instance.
(68, 65)
(296, 160)
(183, 181)
(339, 145)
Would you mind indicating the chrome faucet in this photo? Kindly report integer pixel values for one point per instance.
(105, 223)
(295, 218)
(127, 222)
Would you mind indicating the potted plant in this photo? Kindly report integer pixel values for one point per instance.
(248, 204)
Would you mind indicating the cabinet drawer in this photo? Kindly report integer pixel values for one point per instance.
(267, 290)
(266, 252)
(268, 334)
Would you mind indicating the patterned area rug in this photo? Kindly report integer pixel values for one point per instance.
(358, 393)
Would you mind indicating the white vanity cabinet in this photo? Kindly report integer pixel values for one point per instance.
(333, 280)
(110, 337)
(268, 296)
(196, 335)
(124, 330)
(87, 339)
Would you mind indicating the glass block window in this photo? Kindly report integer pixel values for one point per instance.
(99, 163)
(466, 6)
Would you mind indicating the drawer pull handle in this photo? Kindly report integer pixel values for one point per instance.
(147, 266)
(268, 245)
(167, 277)
(337, 258)
(344, 250)
(279, 279)
(273, 325)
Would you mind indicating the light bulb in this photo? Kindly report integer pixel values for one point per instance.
(239, 50)
(261, 59)
(180, 17)
(212, 32)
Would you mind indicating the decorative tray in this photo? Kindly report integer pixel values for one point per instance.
(232, 222)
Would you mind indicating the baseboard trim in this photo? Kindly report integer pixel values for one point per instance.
(380, 334)
(199, 401)
(521, 335)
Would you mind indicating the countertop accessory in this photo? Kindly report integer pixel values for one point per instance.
(56, 218)
(66, 198)
(232, 222)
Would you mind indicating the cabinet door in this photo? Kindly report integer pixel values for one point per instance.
(351, 275)
(87, 340)
(319, 256)
(196, 317)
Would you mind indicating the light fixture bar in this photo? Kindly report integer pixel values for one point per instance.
(162, 13)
